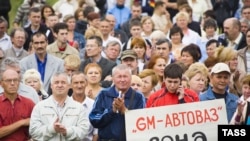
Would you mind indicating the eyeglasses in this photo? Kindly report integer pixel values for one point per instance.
(11, 81)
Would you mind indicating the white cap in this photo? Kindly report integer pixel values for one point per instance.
(220, 67)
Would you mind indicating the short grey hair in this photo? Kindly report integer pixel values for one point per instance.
(113, 43)
(58, 74)
(121, 67)
(8, 62)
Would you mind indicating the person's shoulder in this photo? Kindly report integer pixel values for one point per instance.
(157, 93)
(108, 62)
(51, 46)
(27, 58)
(73, 102)
(233, 96)
(72, 49)
(54, 58)
(26, 100)
(107, 92)
(8, 51)
(77, 34)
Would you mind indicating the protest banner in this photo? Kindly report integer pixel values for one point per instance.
(186, 122)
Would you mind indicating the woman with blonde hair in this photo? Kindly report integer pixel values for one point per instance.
(229, 56)
(190, 36)
(136, 83)
(93, 73)
(197, 75)
(32, 78)
(149, 81)
(147, 26)
(71, 64)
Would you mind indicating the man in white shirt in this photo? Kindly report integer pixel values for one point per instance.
(78, 84)
(5, 42)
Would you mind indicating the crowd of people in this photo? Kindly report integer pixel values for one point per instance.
(71, 70)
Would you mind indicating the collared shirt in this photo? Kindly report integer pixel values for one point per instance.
(5, 42)
(41, 66)
(234, 44)
(60, 107)
(11, 113)
(88, 106)
(97, 60)
(18, 51)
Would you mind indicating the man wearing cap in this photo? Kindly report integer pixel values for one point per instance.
(129, 58)
(219, 80)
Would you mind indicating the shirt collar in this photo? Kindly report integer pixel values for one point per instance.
(17, 50)
(97, 60)
(45, 58)
(57, 103)
(4, 98)
(237, 40)
(5, 37)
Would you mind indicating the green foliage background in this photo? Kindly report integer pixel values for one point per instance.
(16, 3)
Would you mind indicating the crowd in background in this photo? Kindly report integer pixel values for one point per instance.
(197, 50)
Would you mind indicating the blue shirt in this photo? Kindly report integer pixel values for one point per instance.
(41, 66)
(121, 15)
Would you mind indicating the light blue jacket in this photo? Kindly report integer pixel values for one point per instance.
(231, 101)
(121, 15)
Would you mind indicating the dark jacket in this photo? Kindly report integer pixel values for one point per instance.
(81, 26)
(42, 29)
(111, 125)
(223, 41)
(106, 66)
(5, 8)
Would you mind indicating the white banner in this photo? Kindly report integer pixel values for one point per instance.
(187, 122)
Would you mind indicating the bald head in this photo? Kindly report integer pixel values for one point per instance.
(233, 22)
(10, 82)
(231, 28)
(9, 73)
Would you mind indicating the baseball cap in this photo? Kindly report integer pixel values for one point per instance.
(128, 53)
(220, 67)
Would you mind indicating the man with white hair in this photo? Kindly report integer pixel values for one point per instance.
(112, 103)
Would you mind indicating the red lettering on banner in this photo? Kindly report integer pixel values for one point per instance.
(168, 121)
(206, 116)
(191, 117)
(145, 123)
(215, 114)
(199, 118)
(176, 120)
